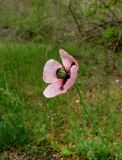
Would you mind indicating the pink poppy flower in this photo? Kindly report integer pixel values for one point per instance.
(60, 77)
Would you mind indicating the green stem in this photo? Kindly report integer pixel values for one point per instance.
(90, 117)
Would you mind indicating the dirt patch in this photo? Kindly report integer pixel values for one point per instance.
(8, 155)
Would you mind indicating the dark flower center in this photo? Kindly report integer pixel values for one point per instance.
(61, 73)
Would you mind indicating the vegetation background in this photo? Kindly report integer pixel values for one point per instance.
(35, 128)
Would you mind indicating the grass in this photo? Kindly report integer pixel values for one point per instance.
(41, 128)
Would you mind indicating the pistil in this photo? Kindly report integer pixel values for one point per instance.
(61, 73)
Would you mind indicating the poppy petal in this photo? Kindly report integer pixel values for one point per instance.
(73, 74)
(49, 72)
(54, 89)
(67, 60)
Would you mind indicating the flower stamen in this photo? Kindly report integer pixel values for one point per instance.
(61, 73)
